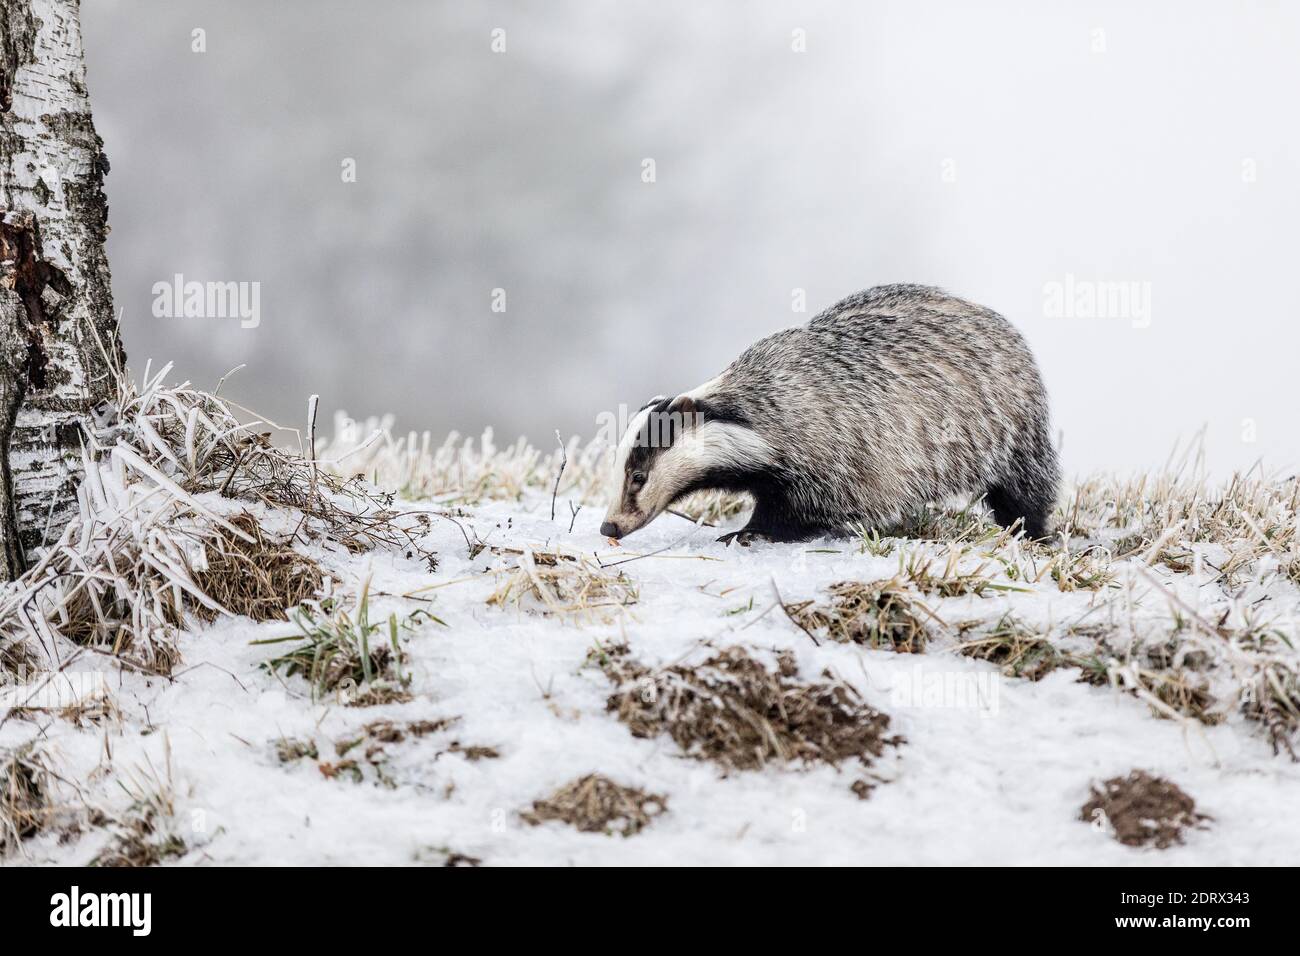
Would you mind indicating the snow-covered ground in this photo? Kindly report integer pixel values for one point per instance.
(995, 778)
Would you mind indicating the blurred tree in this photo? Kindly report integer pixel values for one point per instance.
(59, 350)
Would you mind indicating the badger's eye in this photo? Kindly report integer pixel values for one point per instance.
(638, 480)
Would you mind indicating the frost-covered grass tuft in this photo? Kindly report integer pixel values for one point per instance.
(340, 648)
(151, 531)
(879, 614)
(565, 585)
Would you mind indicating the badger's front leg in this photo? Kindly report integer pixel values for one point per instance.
(774, 520)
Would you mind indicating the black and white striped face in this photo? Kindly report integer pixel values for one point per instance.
(671, 448)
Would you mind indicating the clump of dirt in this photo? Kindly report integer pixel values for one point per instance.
(259, 579)
(462, 859)
(596, 804)
(1142, 810)
(736, 712)
(471, 752)
(878, 614)
(24, 801)
(862, 789)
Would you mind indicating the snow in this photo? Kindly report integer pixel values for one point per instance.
(998, 780)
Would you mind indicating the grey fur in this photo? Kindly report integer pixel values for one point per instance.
(890, 399)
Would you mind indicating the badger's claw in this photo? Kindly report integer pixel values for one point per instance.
(742, 537)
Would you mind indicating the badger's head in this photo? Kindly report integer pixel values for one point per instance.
(673, 447)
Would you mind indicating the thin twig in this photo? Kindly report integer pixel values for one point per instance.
(650, 554)
(564, 460)
(792, 618)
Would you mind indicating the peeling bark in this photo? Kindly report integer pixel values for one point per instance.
(58, 338)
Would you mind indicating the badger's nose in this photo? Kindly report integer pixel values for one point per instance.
(609, 529)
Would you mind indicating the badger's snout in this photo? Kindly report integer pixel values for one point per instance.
(610, 530)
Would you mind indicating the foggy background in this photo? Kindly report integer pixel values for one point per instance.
(990, 148)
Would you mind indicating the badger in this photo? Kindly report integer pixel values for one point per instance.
(891, 399)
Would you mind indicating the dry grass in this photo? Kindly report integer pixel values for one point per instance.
(254, 575)
(564, 584)
(1017, 650)
(879, 614)
(1142, 810)
(926, 573)
(143, 838)
(596, 804)
(1183, 693)
(24, 797)
(1087, 570)
(16, 661)
(147, 833)
(969, 524)
(736, 712)
(1273, 699)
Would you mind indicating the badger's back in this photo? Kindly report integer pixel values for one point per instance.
(894, 397)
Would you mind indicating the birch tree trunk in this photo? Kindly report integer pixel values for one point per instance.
(59, 347)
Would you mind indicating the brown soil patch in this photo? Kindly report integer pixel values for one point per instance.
(596, 804)
(736, 712)
(1143, 810)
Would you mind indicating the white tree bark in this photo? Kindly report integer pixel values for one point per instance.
(58, 336)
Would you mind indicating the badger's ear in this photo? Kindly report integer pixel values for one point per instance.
(687, 411)
(654, 401)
